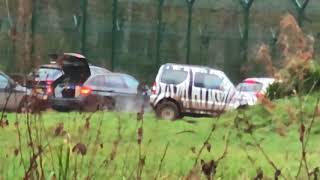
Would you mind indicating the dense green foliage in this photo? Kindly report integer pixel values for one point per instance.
(305, 84)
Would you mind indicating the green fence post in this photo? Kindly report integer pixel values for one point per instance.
(84, 26)
(190, 5)
(301, 10)
(114, 32)
(159, 32)
(33, 29)
(246, 6)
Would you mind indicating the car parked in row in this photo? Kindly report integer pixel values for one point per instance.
(80, 88)
(187, 89)
(255, 86)
(41, 79)
(13, 97)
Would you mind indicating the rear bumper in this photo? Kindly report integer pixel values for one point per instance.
(67, 103)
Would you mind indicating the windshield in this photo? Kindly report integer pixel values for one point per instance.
(45, 74)
(249, 87)
(173, 76)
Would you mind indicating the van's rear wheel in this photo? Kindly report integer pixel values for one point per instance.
(168, 111)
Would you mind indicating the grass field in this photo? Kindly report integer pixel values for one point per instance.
(108, 146)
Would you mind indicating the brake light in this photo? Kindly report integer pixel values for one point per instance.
(49, 82)
(49, 90)
(85, 91)
(259, 95)
(154, 88)
(250, 81)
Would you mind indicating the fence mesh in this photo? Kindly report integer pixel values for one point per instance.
(216, 32)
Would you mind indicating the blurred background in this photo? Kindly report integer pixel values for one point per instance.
(137, 36)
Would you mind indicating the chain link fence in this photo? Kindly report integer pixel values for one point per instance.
(136, 36)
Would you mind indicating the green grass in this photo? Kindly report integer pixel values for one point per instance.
(278, 136)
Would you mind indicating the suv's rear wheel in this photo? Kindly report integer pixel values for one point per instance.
(108, 104)
(168, 110)
(60, 108)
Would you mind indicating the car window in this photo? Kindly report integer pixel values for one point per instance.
(249, 87)
(209, 81)
(131, 82)
(48, 74)
(170, 76)
(115, 82)
(97, 81)
(3, 82)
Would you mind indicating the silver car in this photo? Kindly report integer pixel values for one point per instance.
(13, 97)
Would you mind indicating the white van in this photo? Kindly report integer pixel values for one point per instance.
(187, 89)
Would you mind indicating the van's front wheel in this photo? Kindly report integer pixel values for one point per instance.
(168, 111)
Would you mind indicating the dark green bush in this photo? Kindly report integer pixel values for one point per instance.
(293, 84)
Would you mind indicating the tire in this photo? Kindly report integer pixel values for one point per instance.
(26, 105)
(107, 104)
(60, 109)
(243, 107)
(104, 104)
(168, 111)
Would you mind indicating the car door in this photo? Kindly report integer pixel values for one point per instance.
(209, 95)
(118, 89)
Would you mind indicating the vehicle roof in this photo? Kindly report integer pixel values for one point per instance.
(77, 55)
(260, 80)
(195, 67)
(52, 65)
(110, 74)
(113, 73)
(93, 66)
(5, 75)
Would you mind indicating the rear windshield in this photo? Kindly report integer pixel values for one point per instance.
(249, 87)
(170, 76)
(45, 74)
(98, 70)
(131, 82)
